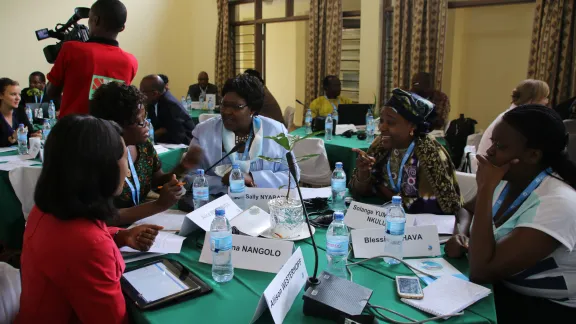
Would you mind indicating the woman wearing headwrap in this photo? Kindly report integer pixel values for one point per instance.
(405, 161)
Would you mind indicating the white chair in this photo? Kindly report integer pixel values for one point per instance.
(205, 117)
(315, 171)
(289, 117)
(467, 183)
(23, 181)
(10, 290)
(474, 140)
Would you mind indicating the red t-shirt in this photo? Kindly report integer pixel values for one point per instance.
(82, 67)
(70, 272)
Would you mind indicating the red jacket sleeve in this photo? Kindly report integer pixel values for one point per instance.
(93, 285)
(56, 75)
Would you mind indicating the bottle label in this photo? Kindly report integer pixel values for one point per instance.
(338, 184)
(395, 228)
(221, 244)
(237, 186)
(200, 193)
(308, 120)
(337, 247)
(23, 137)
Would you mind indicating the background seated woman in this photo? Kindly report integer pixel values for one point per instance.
(10, 115)
(524, 229)
(404, 161)
(239, 122)
(71, 265)
(123, 104)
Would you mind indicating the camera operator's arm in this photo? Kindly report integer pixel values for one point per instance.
(55, 93)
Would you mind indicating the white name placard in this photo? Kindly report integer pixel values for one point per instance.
(284, 288)
(253, 253)
(361, 215)
(419, 241)
(204, 215)
(259, 197)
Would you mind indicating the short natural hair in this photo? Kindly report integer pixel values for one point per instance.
(249, 88)
(530, 91)
(326, 81)
(112, 14)
(117, 102)
(39, 75)
(80, 173)
(164, 78)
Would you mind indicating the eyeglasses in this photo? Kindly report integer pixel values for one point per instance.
(223, 105)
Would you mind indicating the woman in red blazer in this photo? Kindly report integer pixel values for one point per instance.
(71, 265)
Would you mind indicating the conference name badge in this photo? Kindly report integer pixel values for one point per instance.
(419, 241)
(284, 288)
(361, 215)
(253, 253)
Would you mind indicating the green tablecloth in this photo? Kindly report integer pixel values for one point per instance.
(11, 217)
(195, 114)
(339, 149)
(236, 301)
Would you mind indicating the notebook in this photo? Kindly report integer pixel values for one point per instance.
(448, 295)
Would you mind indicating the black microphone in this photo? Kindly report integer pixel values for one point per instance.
(298, 101)
(233, 150)
(292, 167)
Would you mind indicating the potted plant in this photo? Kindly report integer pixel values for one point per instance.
(286, 213)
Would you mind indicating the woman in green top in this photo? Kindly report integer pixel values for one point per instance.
(124, 105)
(406, 162)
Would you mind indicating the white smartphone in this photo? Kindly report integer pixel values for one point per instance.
(409, 287)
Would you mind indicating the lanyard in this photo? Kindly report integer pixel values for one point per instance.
(523, 196)
(398, 187)
(41, 97)
(245, 155)
(334, 107)
(135, 192)
(156, 110)
(203, 92)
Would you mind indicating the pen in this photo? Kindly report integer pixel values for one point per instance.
(178, 184)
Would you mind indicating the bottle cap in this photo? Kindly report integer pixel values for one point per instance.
(338, 164)
(338, 215)
(220, 211)
(51, 101)
(329, 115)
(21, 125)
(200, 172)
(235, 166)
(396, 200)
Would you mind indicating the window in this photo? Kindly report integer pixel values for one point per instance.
(350, 56)
(244, 48)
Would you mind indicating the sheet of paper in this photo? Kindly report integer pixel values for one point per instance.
(161, 149)
(170, 219)
(8, 149)
(16, 158)
(137, 256)
(308, 193)
(341, 128)
(172, 146)
(253, 221)
(445, 223)
(164, 243)
(17, 164)
(436, 266)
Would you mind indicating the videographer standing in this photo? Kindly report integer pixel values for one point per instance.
(81, 68)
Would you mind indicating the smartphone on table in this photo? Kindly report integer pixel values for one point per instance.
(409, 287)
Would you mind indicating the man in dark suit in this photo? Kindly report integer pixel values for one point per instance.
(202, 87)
(171, 122)
(35, 93)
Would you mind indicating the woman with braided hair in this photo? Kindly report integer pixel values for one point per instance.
(523, 232)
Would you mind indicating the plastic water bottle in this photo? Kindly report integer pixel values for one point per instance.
(51, 110)
(395, 224)
(210, 105)
(338, 183)
(335, 115)
(308, 121)
(370, 128)
(337, 240)
(221, 246)
(237, 187)
(200, 189)
(46, 129)
(150, 130)
(188, 102)
(29, 114)
(369, 114)
(22, 134)
(328, 127)
(38, 113)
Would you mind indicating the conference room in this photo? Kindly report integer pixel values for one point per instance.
(288, 161)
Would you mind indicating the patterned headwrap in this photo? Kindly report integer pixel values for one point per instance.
(413, 108)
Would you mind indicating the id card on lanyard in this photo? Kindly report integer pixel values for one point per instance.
(134, 188)
(41, 97)
(334, 107)
(398, 187)
(246, 154)
(523, 196)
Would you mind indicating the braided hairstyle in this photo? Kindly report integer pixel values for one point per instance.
(249, 88)
(544, 130)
